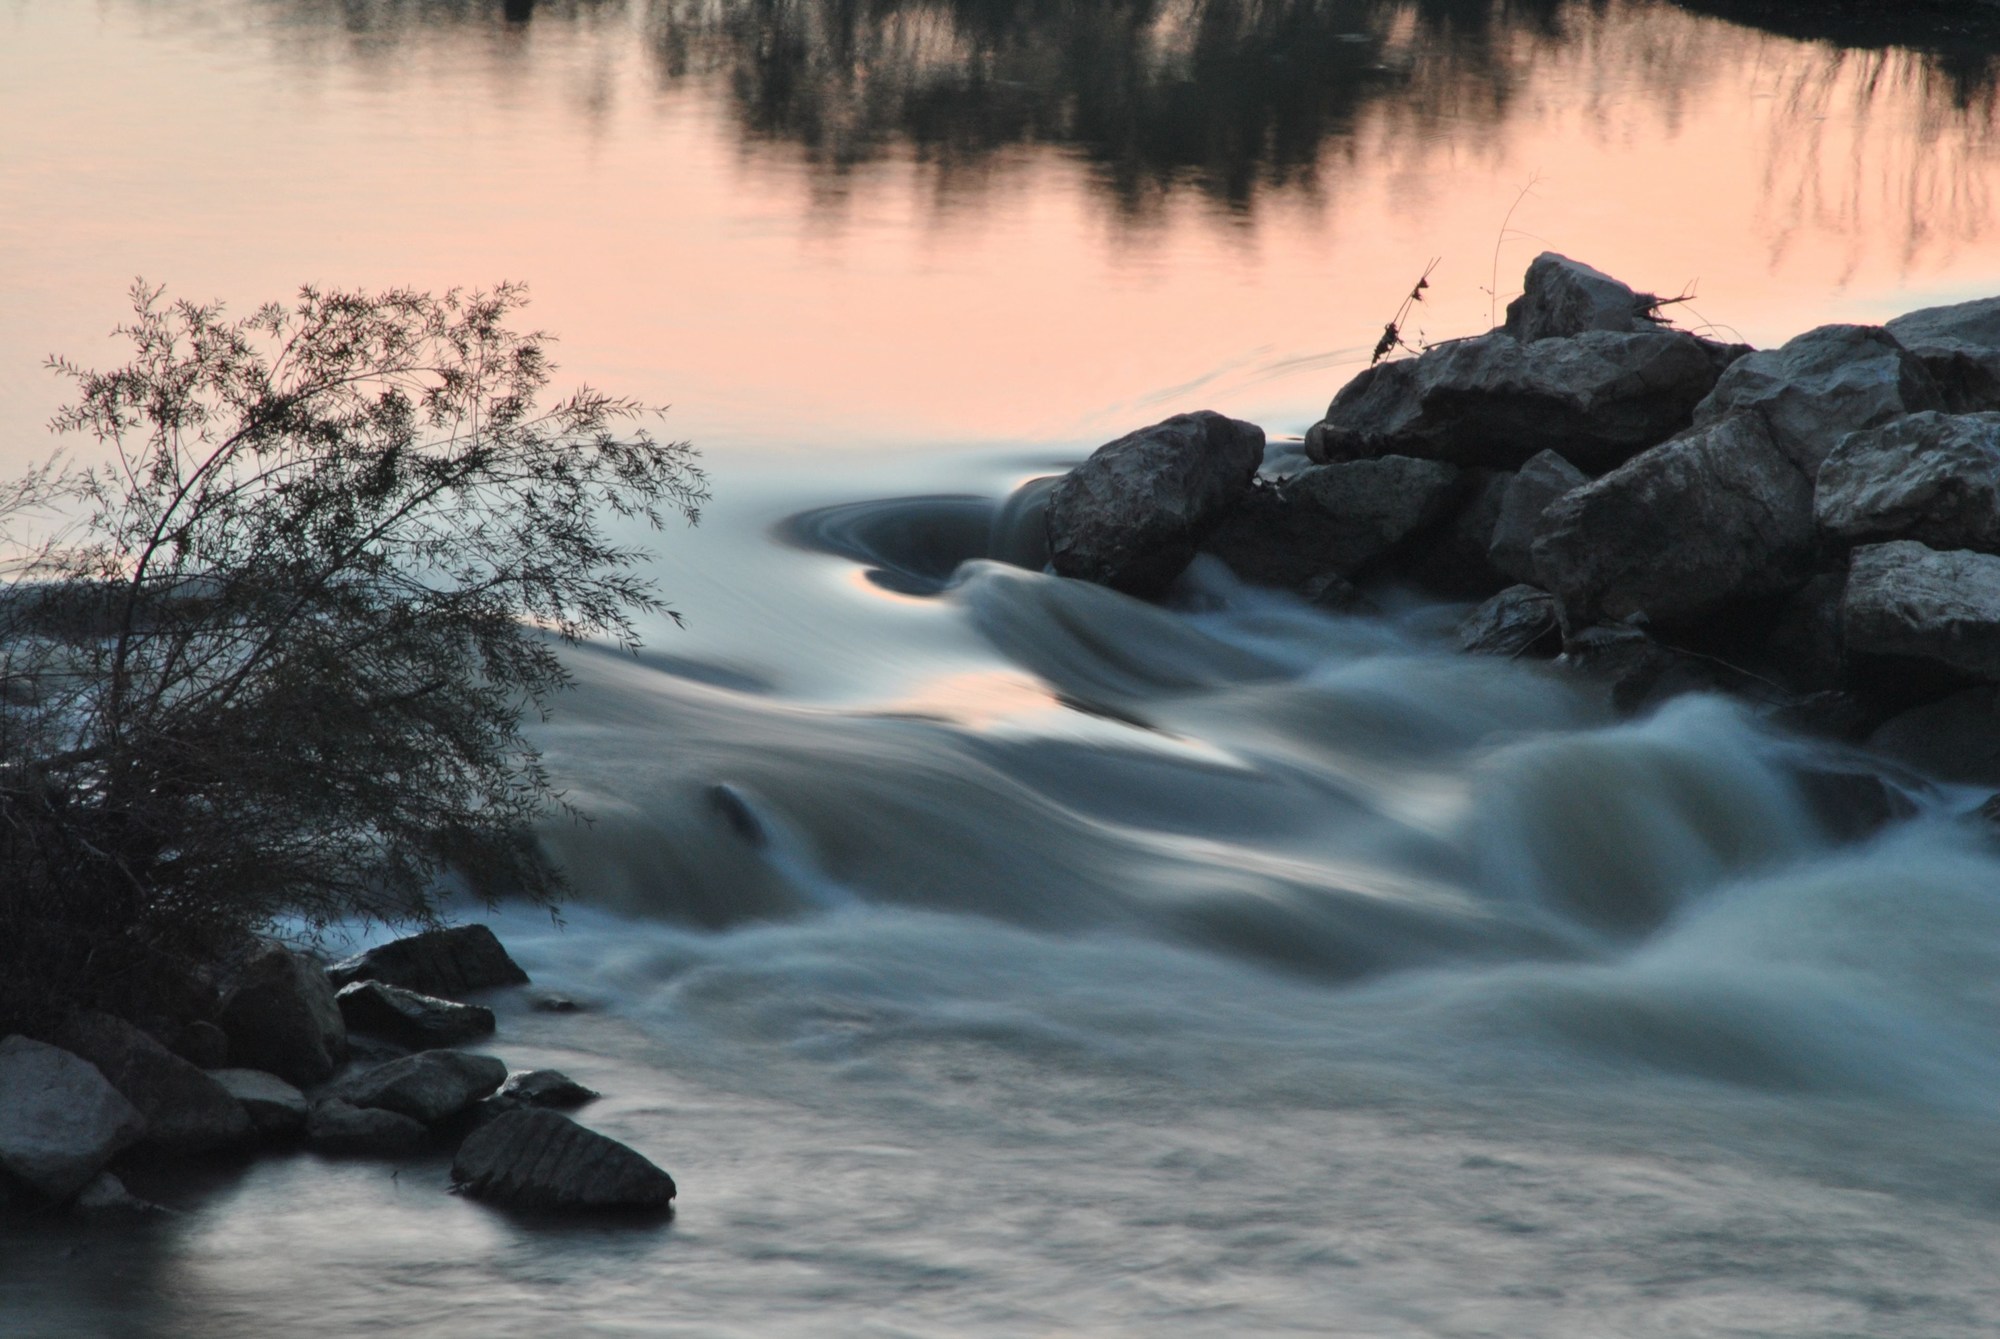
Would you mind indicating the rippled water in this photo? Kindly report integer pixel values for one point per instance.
(990, 954)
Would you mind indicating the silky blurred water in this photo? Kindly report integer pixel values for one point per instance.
(989, 954)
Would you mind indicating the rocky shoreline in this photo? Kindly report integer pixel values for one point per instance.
(1813, 527)
(357, 1058)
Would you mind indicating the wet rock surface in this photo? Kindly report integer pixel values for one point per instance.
(1132, 515)
(410, 1019)
(535, 1159)
(429, 1087)
(1518, 621)
(448, 962)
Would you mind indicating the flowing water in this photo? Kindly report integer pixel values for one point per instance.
(988, 954)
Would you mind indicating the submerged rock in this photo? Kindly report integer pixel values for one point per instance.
(1516, 622)
(1597, 400)
(186, 1110)
(338, 1126)
(281, 1017)
(1955, 739)
(1826, 383)
(1715, 516)
(1914, 603)
(1931, 477)
(1562, 297)
(429, 1087)
(106, 1196)
(1133, 514)
(536, 1159)
(61, 1120)
(447, 962)
(1960, 346)
(410, 1019)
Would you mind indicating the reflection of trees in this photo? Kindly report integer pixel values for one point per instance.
(1959, 42)
(1232, 96)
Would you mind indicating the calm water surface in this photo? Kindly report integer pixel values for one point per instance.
(1060, 964)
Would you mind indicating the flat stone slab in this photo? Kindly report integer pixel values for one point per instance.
(429, 1087)
(274, 1106)
(341, 1127)
(541, 1160)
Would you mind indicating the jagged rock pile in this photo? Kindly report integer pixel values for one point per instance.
(1817, 525)
(288, 1061)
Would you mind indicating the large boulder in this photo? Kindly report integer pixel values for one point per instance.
(1596, 399)
(1826, 383)
(410, 1019)
(429, 1087)
(1931, 477)
(1561, 297)
(539, 1160)
(448, 962)
(60, 1118)
(1912, 603)
(1544, 478)
(1133, 514)
(186, 1110)
(1960, 345)
(1365, 510)
(275, 1108)
(1714, 517)
(281, 1017)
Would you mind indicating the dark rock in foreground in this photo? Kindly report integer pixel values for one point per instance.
(1597, 400)
(1715, 516)
(186, 1110)
(1931, 477)
(1529, 493)
(1518, 621)
(60, 1119)
(1133, 514)
(430, 1087)
(447, 962)
(539, 1160)
(1826, 383)
(546, 1088)
(1955, 739)
(410, 1019)
(1365, 510)
(281, 1017)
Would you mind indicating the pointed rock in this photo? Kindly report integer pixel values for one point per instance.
(60, 1119)
(535, 1159)
(449, 962)
(186, 1111)
(430, 1087)
(281, 1017)
(410, 1019)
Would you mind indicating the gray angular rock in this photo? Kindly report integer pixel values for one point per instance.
(1597, 400)
(410, 1019)
(546, 1088)
(1931, 477)
(1715, 516)
(1133, 514)
(281, 1017)
(60, 1119)
(186, 1110)
(1638, 670)
(1544, 478)
(429, 1087)
(1960, 345)
(1451, 559)
(447, 962)
(1270, 540)
(1364, 510)
(106, 1196)
(540, 1160)
(1515, 622)
(1561, 297)
(275, 1107)
(1911, 602)
(336, 1126)
(1822, 385)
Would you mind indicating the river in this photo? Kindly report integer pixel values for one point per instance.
(987, 954)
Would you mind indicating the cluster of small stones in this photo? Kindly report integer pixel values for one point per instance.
(1815, 526)
(358, 1058)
